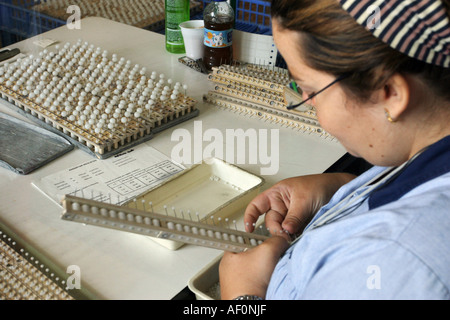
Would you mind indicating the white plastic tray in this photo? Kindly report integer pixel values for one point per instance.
(212, 189)
(205, 284)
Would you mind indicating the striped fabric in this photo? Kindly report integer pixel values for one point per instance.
(417, 28)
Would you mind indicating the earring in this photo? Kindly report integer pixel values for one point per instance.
(388, 116)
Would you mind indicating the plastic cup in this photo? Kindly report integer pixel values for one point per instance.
(192, 32)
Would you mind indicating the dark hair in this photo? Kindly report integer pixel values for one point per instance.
(333, 42)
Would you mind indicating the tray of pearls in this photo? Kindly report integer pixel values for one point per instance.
(100, 102)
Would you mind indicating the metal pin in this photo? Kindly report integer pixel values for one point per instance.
(151, 206)
(261, 229)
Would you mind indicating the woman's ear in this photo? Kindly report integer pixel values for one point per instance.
(396, 95)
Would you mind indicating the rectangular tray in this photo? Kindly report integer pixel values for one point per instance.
(213, 189)
(205, 284)
(25, 147)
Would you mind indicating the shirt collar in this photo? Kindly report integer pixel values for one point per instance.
(433, 162)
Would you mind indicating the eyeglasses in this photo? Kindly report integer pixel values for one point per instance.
(290, 107)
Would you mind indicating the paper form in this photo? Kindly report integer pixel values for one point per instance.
(254, 48)
(116, 180)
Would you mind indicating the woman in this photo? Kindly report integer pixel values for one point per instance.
(379, 78)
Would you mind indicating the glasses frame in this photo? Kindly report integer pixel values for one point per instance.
(342, 77)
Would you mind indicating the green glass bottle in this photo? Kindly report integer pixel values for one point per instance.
(176, 12)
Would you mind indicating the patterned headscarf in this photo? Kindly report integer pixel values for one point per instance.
(417, 28)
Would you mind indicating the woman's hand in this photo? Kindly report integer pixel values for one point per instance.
(249, 272)
(290, 204)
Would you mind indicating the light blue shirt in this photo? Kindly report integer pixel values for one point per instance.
(397, 250)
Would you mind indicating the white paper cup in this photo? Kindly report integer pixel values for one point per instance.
(192, 32)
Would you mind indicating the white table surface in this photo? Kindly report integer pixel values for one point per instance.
(121, 265)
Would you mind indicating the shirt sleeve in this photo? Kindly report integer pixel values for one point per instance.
(385, 271)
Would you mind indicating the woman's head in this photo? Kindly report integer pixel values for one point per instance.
(320, 41)
(333, 42)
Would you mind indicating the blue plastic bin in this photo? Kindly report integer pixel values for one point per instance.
(17, 22)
